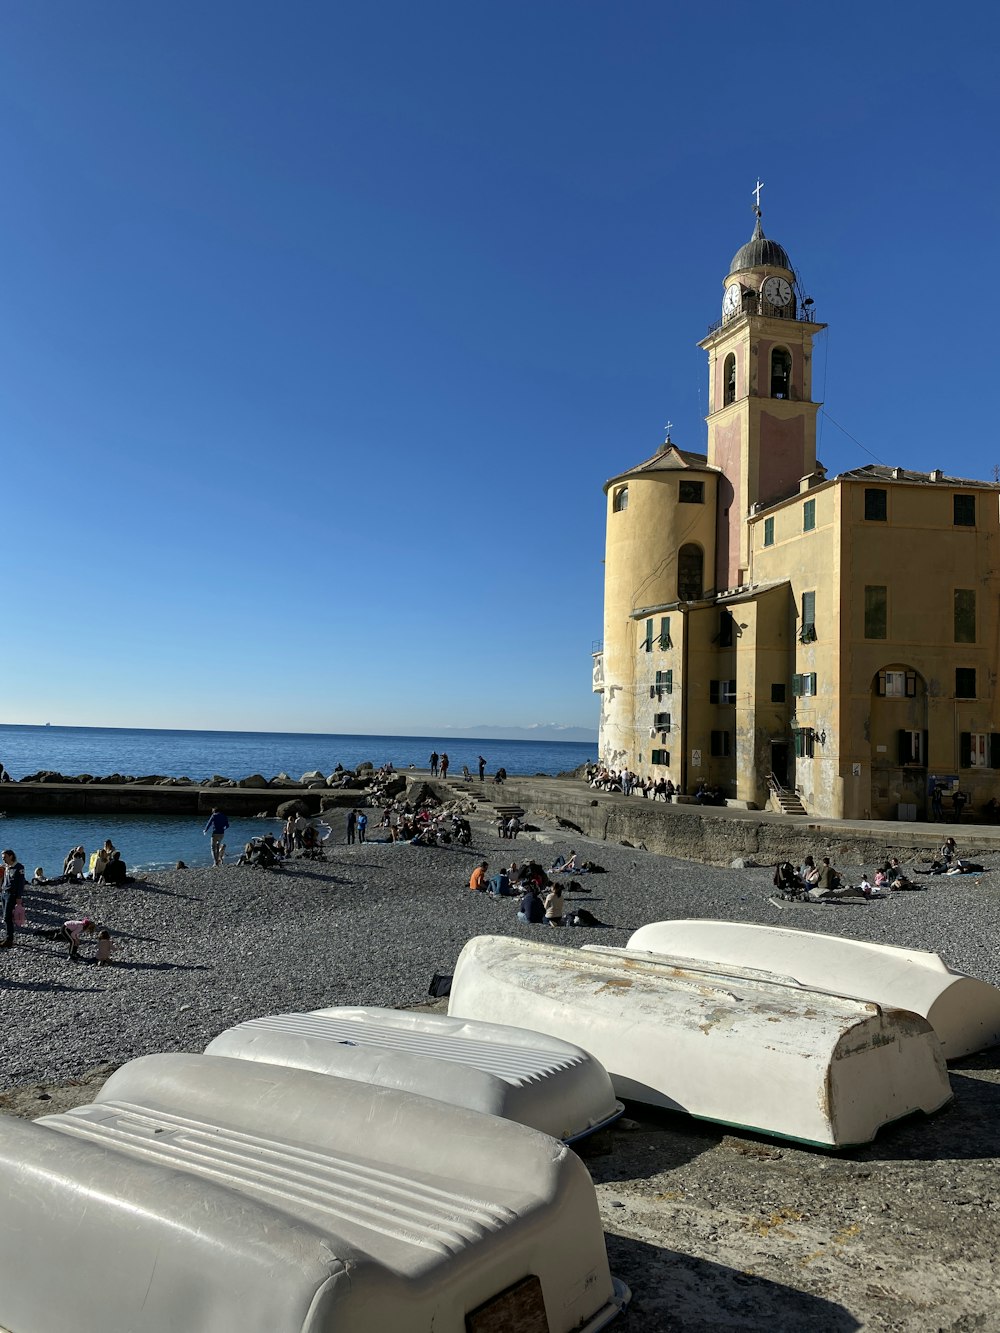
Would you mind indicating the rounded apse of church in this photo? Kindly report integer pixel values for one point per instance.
(667, 509)
(760, 252)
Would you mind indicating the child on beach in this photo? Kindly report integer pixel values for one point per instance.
(70, 932)
(103, 948)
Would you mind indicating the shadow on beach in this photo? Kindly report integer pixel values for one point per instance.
(672, 1291)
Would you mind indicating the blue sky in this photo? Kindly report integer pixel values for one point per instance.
(322, 325)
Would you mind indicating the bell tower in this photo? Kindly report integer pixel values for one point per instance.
(761, 417)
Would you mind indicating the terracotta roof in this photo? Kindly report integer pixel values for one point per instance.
(878, 472)
(667, 459)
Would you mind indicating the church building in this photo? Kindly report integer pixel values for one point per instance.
(782, 634)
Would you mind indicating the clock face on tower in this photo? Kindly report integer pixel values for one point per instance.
(733, 299)
(777, 292)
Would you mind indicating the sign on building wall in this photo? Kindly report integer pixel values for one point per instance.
(696, 759)
(855, 770)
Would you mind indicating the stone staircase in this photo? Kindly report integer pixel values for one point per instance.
(787, 802)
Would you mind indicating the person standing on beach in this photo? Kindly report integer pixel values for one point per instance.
(13, 888)
(434, 763)
(352, 823)
(482, 769)
(217, 824)
(362, 825)
(444, 765)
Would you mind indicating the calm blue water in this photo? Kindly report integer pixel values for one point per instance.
(148, 841)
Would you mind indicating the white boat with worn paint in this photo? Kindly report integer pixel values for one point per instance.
(962, 1010)
(547, 1084)
(744, 1050)
(223, 1196)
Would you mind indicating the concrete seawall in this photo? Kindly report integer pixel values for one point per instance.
(131, 798)
(719, 835)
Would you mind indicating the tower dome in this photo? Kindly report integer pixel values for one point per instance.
(759, 252)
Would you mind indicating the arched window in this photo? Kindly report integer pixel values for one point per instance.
(690, 572)
(620, 500)
(781, 373)
(729, 380)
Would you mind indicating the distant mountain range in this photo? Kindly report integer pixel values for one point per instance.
(537, 731)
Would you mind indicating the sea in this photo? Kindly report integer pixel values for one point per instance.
(151, 842)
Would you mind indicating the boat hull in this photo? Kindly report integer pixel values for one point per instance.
(541, 1082)
(749, 1052)
(964, 1011)
(244, 1198)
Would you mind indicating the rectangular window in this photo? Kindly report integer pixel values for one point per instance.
(768, 531)
(665, 682)
(722, 691)
(665, 640)
(807, 628)
(778, 693)
(965, 511)
(809, 516)
(720, 744)
(897, 684)
(876, 612)
(805, 685)
(965, 682)
(875, 506)
(965, 615)
(647, 643)
(660, 757)
(805, 742)
(912, 747)
(692, 493)
(979, 749)
(661, 721)
(725, 629)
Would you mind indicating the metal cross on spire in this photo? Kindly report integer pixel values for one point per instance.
(668, 428)
(756, 193)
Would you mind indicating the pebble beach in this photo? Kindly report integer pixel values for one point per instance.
(710, 1228)
(198, 950)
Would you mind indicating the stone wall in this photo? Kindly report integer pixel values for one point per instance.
(707, 834)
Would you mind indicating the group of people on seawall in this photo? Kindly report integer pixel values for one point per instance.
(654, 789)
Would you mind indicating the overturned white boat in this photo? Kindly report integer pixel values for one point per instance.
(963, 1011)
(547, 1084)
(744, 1050)
(238, 1197)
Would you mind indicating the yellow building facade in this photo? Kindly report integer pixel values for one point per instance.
(768, 629)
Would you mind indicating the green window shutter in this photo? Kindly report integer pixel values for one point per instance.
(713, 691)
(994, 750)
(812, 682)
(925, 751)
(809, 516)
(965, 615)
(876, 612)
(669, 682)
(965, 749)
(768, 531)
(904, 749)
(797, 685)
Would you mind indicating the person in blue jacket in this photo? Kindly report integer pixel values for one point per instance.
(217, 825)
(531, 910)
